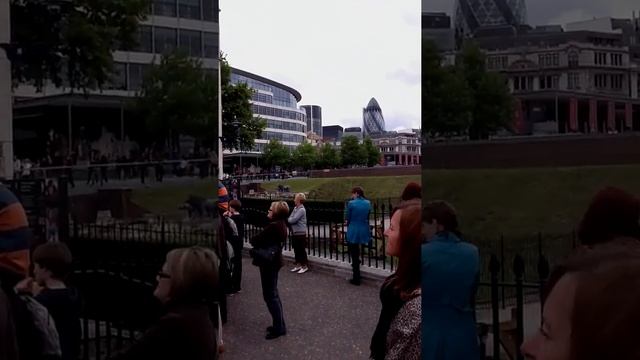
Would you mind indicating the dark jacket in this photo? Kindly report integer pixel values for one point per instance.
(239, 220)
(185, 332)
(8, 337)
(64, 306)
(274, 234)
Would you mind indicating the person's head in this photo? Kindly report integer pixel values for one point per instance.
(591, 306)
(612, 213)
(404, 238)
(278, 210)
(189, 275)
(412, 191)
(357, 192)
(15, 235)
(235, 205)
(439, 216)
(52, 261)
(299, 199)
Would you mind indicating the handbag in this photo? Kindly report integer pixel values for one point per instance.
(263, 256)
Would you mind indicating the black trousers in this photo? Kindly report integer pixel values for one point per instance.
(269, 280)
(354, 252)
(299, 243)
(236, 262)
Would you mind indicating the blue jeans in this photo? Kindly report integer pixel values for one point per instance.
(269, 279)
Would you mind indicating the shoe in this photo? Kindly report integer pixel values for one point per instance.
(354, 282)
(274, 335)
(296, 269)
(269, 329)
(303, 270)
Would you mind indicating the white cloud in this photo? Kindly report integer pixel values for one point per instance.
(337, 54)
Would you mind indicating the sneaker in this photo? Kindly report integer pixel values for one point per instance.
(296, 269)
(303, 270)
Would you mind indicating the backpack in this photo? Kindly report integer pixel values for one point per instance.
(45, 328)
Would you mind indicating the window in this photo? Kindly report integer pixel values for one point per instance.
(600, 81)
(548, 82)
(574, 59)
(600, 58)
(191, 42)
(617, 82)
(522, 83)
(210, 45)
(136, 75)
(189, 9)
(210, 10)
(165, 8)
(616, 59)
(165, 40)
(573, 81)
(549, 60)
(118, 79)
(144, 39)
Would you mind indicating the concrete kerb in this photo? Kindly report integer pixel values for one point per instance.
(370, 276)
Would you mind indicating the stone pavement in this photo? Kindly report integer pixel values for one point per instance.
(326, 317)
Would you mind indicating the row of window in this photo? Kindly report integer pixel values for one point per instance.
(601, 81)
(260, 147)
(281, 113)
(280, 97)
(549, 60)
(206, 10)
(270, 135)
(602, 58)
(285, 125)
(607, 81)
(264, 98)
(553, 60)
(129, 76)
(163, 40)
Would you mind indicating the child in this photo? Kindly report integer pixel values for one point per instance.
(52, 263)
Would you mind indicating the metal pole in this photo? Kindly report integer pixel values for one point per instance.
(121, 122)
(220, 158)
(69, 125)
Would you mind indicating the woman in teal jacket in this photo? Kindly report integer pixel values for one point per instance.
(358, 232)
(450, 271)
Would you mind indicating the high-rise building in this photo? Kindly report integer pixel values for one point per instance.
(332, 133)
(471, 15)
(437, 28)
(353, 131)
(314, 118)
(372, 119)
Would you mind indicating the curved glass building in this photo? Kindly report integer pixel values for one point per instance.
(473, 14)
(278, 105)
(372, 119)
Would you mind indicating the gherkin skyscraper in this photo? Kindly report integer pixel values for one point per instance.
(473, 14)
(372, 119)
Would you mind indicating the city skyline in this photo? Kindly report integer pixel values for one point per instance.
(335, 59)
(563, 12)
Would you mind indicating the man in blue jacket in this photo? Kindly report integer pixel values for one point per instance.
(358, 233)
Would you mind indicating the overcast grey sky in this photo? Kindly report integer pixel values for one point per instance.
(557, 12)
(336, 53)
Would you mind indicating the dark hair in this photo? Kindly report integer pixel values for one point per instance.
(410, 236)
(358, 190)
(443, 213)
(612, 213)
(235, 204)
(413, 190)
(55, 257)
(605, 311)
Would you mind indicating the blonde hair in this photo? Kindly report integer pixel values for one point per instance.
(300, 196)
(194, 273)
(280, 210)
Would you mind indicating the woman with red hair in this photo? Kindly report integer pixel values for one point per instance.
(612, 213)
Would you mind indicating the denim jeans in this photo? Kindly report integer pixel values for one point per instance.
(269, 279)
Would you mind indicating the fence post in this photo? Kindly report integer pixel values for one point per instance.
(494, 268)
(162, 232)
(543, 275)
(502, 272)
(63, 209)
(518, 269)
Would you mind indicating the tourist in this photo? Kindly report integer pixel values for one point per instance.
(612, 213)
(450, 271)
(52, 265)
(590, 307)
(223, 198)
(187, 284)
(238, 244)
(298, 222)
(397, 335)
(358, 233)
(412, 191)
(267, 255)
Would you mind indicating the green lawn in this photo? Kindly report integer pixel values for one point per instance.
(165, 200)
(523, 202)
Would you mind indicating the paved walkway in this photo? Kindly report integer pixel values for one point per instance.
(327, 318)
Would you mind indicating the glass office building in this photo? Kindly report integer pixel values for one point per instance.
(372, 119)
(473, 14)
(314, 119)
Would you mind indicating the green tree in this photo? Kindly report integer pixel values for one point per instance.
(178, 97)
(492, 106)
(328, 157)
(351, 152)
(236, 109)
(276, 154)
(70, 42)
(372, 151)
(446, 98)
(305, 156)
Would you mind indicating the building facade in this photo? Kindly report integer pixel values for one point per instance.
(314, 119)
(353, 131)
(372, 119)
(332, 133)
(278, 105)
(471, 15)
(570, 82)
(400, 147)
(437, 28)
